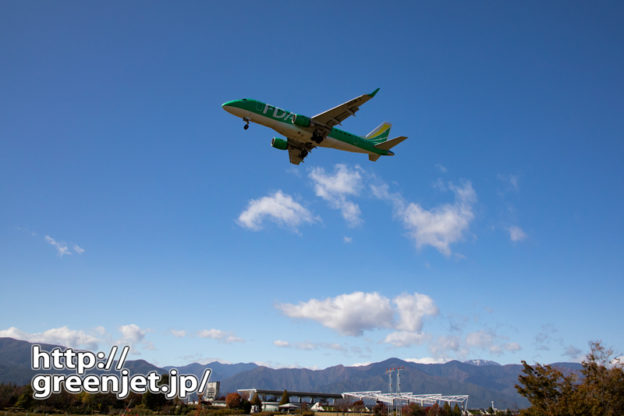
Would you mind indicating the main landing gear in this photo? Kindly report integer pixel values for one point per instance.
(317, 138)
(246, 126)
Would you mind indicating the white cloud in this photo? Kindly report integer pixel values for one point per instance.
(573, 353)
(405, 338)
(427, 360)
(178, 333)
(347, 240)
(61, 248)
(279, 208)
(480, 339)
(364, 364)
(441, 167)
(219, 335)
(443, 345)
(354, 313)
(232, 338)
(132, 334)
(211, 333)
(516, 233)
(308, 346)
(512, 346)
(349, 314)
(412, 309)
(510, 180)
(438, 227)
(488, 340)
(59, 336)
(100, 330)
(334, 188)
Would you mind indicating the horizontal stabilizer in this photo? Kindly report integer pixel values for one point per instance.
(387, 145)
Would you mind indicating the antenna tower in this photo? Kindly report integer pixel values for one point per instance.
(389, 371)
(398, 384)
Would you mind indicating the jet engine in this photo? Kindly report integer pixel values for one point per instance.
(279, 143)
(301, 121)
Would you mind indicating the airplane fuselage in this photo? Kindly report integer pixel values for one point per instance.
(281, 121)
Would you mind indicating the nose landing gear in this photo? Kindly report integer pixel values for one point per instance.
(246, 126)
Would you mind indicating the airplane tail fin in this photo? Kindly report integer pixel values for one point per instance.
(380, 134)
(387, 145)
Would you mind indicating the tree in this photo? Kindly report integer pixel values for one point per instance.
(456, 410)
(599, 392)
(156, 401)
(256, 402)
(434, 410)
(25, 399)
(233, 401)
(358, 406)
(285, 398)
(380, 409)
(413, 409)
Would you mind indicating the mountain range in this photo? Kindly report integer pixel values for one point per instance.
(483, 380)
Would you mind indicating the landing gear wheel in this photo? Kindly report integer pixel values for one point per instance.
(246, 126)
(317, 139)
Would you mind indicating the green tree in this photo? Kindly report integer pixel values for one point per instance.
(156, 401)
(285, 398)
(25, 400)
(413, 409)
(600, 392)
(256, 402)
(456, 410)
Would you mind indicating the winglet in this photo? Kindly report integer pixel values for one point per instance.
(372, 94)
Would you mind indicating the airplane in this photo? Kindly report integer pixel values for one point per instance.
(304, 133)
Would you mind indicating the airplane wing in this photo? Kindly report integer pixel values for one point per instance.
(337, 114)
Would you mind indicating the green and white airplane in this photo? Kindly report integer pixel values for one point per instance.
(304, 134)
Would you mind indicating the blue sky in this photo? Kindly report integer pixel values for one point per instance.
(135, 210)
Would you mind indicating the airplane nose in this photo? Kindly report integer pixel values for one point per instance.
(229, 106)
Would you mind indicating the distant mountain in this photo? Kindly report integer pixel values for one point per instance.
(15, 362)
(482, 383)
(220, 371)
(483, 380)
